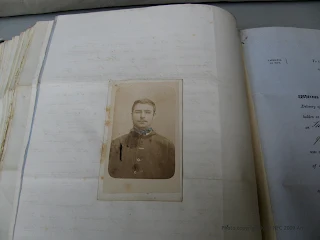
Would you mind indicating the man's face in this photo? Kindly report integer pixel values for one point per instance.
(142, 115)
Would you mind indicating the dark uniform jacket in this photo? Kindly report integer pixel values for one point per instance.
(148, 156)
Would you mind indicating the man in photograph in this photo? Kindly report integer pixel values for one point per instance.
(142, 153)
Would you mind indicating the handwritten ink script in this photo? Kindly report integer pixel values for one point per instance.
(309, 105)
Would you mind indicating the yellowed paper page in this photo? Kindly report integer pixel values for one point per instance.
(24, 94)
(265, 208)
(198, 44)
(239, 184)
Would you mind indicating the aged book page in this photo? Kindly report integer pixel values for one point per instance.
(265, 209)
(23, 93)
(198, 44)
(283, 67)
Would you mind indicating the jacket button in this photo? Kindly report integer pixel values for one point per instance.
(138, 159)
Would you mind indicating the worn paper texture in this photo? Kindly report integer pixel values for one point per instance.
(198, 44)
(166, 126)
(283, 69)
(18, 133)
(265, 208)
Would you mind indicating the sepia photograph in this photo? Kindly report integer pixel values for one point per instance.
(142, 153)
(143, 140)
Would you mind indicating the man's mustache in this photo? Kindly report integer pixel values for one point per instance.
(142, 121)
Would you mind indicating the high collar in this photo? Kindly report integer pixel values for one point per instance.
(142, 132)
(133, 138)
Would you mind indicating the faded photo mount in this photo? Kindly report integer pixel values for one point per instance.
(141, 155)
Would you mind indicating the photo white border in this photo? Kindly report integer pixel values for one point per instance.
(123, 189)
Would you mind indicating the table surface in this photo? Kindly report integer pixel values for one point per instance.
(248, 15)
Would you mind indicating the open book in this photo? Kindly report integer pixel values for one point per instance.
(159, 123)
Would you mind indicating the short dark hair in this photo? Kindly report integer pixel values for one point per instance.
(144, 101)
